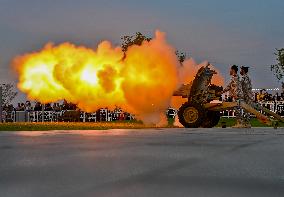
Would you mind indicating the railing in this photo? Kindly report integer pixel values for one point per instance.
(106, 115)
(53, 116)
(276, 107)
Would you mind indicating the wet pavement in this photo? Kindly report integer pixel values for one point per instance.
(152, 162)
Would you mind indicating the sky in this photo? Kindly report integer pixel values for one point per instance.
(224, 32)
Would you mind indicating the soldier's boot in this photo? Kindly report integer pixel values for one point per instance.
(247, 124)
(239, 124)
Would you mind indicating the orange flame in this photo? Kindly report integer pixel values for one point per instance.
(142, 81)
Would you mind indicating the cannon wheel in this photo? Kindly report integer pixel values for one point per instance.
(191, 115)
(211, 119)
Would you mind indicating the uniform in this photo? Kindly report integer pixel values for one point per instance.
(248, 94)
(247, 89)
(235, 93)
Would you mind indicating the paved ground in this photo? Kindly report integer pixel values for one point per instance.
(161, 162)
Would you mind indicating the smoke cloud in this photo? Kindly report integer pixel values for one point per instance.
(141, 81)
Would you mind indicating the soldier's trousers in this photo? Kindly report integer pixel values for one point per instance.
(246, 115)
(238, 111)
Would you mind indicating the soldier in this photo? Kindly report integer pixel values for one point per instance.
(247, 93)
(235, 94)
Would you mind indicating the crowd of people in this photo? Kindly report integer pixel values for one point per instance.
(262, 96)
(103, 114)
(28, 106)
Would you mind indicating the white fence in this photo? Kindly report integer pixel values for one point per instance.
(53, 116)
(276, 107)
(107, 115)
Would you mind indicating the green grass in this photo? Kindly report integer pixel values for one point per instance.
(254, 122)
(70, 126)
(232, 121)
(26, 126)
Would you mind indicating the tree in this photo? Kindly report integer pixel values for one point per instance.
(138, 39)
(8, 93)
(181, 56)
(278, 69)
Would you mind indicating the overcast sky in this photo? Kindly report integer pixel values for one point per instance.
(225, 32)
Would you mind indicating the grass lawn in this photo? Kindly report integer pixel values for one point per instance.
(27, 126)
(254, 122)
(232, 121)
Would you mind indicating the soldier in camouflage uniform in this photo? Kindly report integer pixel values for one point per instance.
(247, 92)
(235, 94)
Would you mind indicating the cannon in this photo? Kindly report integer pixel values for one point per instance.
(204, 102)
(199, 92)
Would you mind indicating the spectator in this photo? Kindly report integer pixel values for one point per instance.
(56, 107)
(226, 98)
(73, 106)
(18, 108)
(65, 105)
(28, 106)
(48, 107)
(256, 97)
(23, 107)
(261, 95)
(11, 108)
(5, 108)
(266, 97)
(38, 107)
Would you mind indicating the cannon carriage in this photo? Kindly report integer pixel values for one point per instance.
(204, 102)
